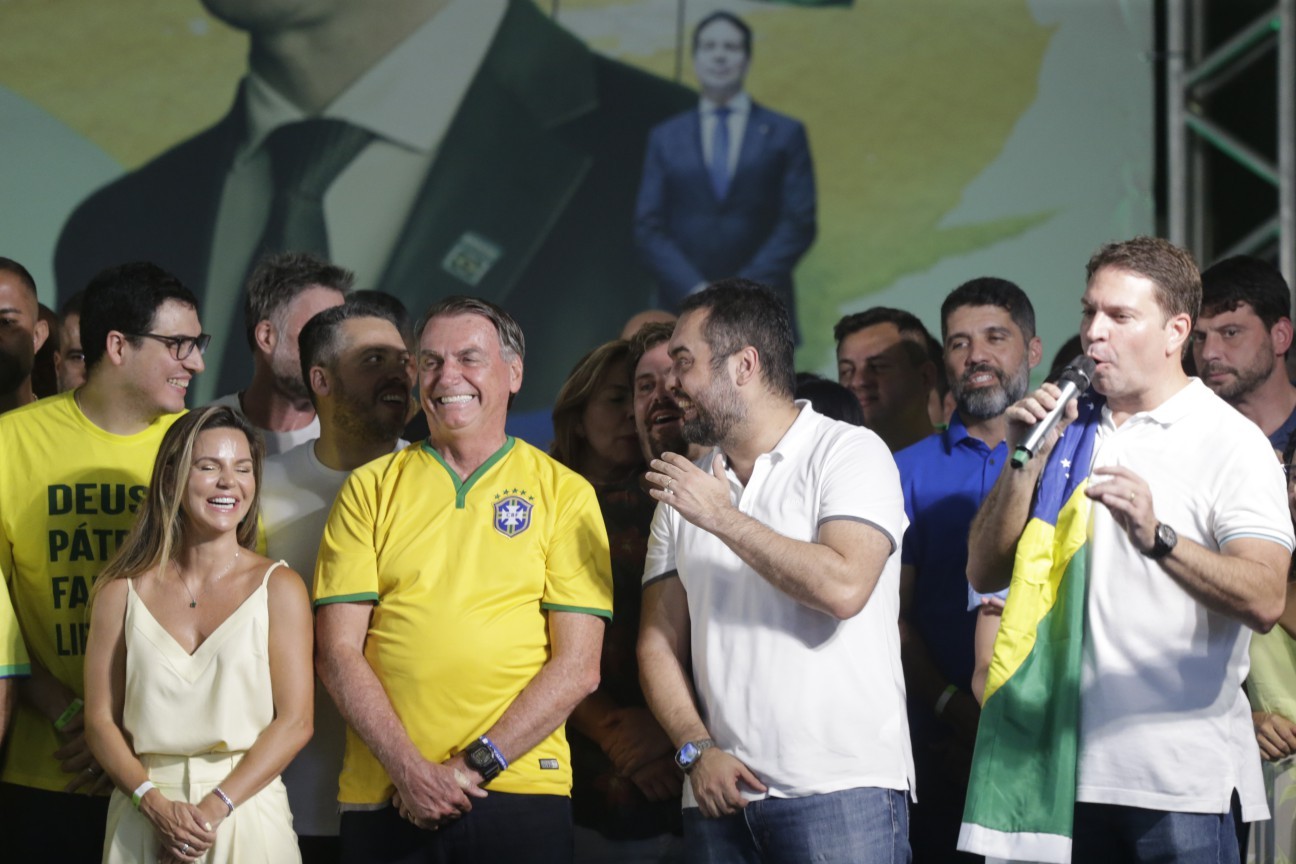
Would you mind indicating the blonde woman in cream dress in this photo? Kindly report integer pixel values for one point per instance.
(199, 682)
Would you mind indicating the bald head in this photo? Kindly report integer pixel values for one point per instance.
(22, 333)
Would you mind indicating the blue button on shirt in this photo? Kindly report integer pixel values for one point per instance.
(945, 477)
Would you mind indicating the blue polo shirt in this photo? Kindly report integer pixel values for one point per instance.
(1280, 435)
(945, 477)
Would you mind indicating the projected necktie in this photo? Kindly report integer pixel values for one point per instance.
(720, 153)
(305, 158)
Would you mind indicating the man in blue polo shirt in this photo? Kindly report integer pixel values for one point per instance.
(988, 327)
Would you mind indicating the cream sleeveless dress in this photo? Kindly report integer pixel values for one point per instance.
(191, 717)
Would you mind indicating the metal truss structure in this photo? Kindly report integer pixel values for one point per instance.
(1193, 73)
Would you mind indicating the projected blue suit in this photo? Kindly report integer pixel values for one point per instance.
(758, 230)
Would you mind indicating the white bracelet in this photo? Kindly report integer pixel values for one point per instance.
(137, 797)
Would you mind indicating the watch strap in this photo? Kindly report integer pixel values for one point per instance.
(688, 755)
(484, 757)
(1160, 546)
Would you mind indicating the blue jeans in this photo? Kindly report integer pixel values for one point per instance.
(854, 826)
(1113, 834)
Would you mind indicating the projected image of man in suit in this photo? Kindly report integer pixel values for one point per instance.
(728, 187)
(432, 147)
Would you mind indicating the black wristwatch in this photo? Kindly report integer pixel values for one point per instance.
(687, 756)
(482, 756)
(1166, 538)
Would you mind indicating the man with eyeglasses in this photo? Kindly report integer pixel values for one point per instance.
(75, 467)
(70, 363)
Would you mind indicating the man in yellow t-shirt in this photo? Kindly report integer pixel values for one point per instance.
(460, 590)
(75, 468)
(14, 662)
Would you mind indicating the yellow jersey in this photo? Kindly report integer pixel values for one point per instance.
(462, 574)
(14, 662)
(68, 496)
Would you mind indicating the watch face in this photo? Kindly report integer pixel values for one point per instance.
(687, 755)
(480, 757)
(1166, 535)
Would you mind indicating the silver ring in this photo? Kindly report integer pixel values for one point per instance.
(90, 769)
(669, 481)
(1132, 497)
(184, 849)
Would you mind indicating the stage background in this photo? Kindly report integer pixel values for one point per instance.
(951, 138)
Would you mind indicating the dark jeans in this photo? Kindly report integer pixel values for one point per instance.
(319, 850)
(854, 826)
(51, 826)
(1112, 834)
(504, 827)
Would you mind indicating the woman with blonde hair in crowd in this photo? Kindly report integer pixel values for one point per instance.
(199, 682)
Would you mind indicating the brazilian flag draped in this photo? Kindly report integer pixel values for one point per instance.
(1021, 796)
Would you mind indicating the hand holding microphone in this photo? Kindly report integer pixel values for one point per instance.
(1073, 381)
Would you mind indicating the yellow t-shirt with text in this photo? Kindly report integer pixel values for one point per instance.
(68, 496)
(462, 575)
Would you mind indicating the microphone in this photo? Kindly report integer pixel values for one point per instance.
(1073, 381)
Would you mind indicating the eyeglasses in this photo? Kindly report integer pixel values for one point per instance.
(181, 346)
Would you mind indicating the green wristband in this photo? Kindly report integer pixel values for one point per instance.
(74, 707)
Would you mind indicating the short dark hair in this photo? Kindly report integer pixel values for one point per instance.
(919, 344)
(399, 314)
(646, 338)
(278, 279)
(742, 313)
(1243, 279)
(1170, 268)
(730, 18)
(72, 305)
(125, 298)
(991, 291)
(9, 265)
(318, 342)
(831, 400)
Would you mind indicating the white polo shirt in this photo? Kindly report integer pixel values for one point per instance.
(809, 703)
(1164, 722)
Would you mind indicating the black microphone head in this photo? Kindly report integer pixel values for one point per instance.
(1078, 372)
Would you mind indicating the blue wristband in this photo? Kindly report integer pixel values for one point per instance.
(499, 757)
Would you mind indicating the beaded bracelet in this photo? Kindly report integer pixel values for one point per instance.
(225, 799)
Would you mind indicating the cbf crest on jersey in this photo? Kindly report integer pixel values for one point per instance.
(513, 512)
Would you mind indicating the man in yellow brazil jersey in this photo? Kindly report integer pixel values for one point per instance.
(460, 590)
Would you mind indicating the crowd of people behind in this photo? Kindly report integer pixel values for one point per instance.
(730, 613)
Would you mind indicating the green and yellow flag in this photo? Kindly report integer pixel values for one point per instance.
(1021, 797)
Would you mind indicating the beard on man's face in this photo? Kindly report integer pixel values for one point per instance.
(989, 401)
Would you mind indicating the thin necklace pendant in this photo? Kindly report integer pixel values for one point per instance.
(193, 601)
